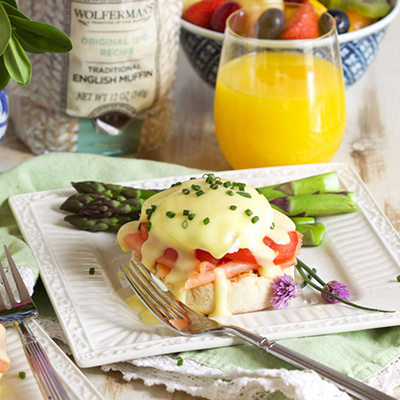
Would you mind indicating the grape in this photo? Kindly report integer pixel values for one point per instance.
(270, 24)
(342, 20)
(218, 19)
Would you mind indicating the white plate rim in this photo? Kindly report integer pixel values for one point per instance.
(84, 357)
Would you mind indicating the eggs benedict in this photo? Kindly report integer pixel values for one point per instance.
(215, 243)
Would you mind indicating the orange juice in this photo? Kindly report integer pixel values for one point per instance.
(278, 108)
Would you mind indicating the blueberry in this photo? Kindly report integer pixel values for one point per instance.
(270, 24)
(342, 20)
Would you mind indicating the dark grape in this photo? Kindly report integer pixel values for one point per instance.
(270, 24)
(342, 20)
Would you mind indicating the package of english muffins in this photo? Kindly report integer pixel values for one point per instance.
(112, 94)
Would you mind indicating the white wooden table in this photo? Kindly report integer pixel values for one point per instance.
(373, 106)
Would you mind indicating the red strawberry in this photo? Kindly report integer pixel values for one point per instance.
(200, 13)
(304, 24)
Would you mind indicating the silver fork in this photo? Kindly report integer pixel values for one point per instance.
(17, 314)
(183, 320)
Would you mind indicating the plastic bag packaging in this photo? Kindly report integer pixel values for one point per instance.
(112, 94)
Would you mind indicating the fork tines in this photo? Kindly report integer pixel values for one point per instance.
(156, 300)
(23, 292)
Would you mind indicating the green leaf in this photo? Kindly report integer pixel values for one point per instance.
(5, 28)
(12, 3)
(26, 46)
(4, 75)
(10, 10)
(42, 37)
(17, 62)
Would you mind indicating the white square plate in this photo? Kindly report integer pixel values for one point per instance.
(14, 388)
(361, 249)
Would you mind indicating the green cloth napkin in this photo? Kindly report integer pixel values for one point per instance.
(358, 354)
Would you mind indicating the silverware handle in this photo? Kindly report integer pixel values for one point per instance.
(352, 386)
(45, 375)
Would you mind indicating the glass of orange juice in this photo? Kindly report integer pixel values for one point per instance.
(279, 102)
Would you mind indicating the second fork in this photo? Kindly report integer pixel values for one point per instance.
(17, 314)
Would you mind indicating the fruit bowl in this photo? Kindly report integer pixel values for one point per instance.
(358, 48)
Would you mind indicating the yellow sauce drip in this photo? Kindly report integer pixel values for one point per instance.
(144, 314)
(220, 294)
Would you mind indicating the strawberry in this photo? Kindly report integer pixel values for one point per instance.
(304, 24)
(200, 13)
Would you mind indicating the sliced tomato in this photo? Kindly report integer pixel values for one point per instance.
(286, 252)
(203, 255)
(244, 255)
(170, 253)
(143, 231)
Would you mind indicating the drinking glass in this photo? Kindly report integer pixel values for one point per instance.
(279, 102)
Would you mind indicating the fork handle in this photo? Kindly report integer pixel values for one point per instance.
(45, 375)
(352, 386)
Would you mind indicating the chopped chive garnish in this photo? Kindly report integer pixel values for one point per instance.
(193, 177)
(186, 212)
(180, 362)
(235, 184)
(138, 227)
(214, 186)
(185, 191)
(170, 214)
(22, 374)
(206, 221)
(259, 191)
(176, 184)
(185, 224)
(91, 271)
(218, 182)
(209, 180)
(148, 226)
(398, 278)
(153, 208)
(233, 208)
(272, 226)
(227, 184)
(229, 192)
(191, 216)
(248, 212)
(242, 186)
(255, 219)
(199, 193)
(245, 194)
(196, 187)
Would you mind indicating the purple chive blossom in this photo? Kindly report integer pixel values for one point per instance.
(284, 289)
(339, 289)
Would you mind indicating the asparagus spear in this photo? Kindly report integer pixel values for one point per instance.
(323, 183)
(112, 207)
(316, 204)
(313, 234)
(77, 201)
(98, 224)
(110, 190)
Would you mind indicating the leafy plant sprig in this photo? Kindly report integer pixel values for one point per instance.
(19, 34)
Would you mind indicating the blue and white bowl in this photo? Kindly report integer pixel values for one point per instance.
(3, 113)
(358, 49)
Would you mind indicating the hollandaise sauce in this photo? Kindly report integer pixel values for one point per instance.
(210, 214)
